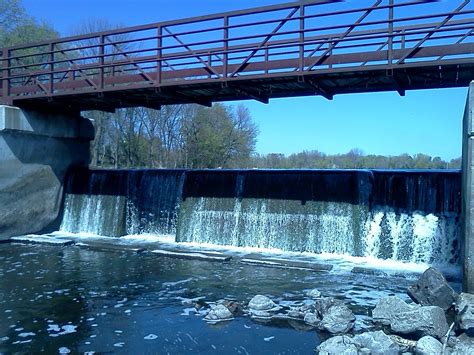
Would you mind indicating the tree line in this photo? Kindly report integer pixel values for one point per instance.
(189, 136)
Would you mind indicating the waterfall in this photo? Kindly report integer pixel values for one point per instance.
(410, 216)
(115, 203)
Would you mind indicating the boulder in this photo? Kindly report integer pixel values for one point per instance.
(219, 313)
(421, 321)
(464, 308)
(432, 289)
(338, 319)
(376, 343)
(428, 346)
(323, 305)
(261, 303)
(314, 293)
(464, 345)
(387, 307)
(312, 319)
(338, 345)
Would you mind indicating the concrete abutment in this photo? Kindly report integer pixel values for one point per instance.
(36, 151)
(468, 192)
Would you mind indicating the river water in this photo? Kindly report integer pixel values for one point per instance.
(60, 299)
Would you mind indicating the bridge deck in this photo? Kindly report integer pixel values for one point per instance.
(304, 48)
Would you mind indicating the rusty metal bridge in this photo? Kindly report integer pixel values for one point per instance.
(310, 47)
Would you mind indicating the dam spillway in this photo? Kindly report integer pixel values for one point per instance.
(411, 216)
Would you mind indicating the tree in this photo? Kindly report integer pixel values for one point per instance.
(218, 137)
(17, 27)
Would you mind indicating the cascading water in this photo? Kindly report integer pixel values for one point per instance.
(410, 216)
(115, 203)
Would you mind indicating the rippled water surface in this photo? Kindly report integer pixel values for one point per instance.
(56, 300)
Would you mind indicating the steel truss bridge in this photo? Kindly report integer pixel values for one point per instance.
(317, 47)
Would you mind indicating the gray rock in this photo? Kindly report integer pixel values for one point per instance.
(464, 346)
(314, 293)
(312, 319)
(338, 345)
(376, 343)
(421, 321)
(428, 346)
(219, 313)
(387, 307)
(432, 289)
(339, 319)
(261, 303)
(323, 305)
(464, 308)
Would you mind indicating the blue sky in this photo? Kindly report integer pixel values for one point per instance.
(426, 121)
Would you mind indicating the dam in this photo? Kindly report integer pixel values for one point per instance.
(411, 216)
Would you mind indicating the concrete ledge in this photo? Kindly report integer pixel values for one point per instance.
(41, 239)
(190, 255)
(45, 124)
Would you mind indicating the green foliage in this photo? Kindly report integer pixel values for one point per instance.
(355, 159)
(17, 27)
(183, 136)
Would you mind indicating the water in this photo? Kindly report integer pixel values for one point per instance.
(91, 301)
(410, 216)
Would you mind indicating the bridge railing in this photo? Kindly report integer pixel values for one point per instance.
(301, 39)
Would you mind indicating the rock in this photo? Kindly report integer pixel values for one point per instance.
(234, 307)
(432, 289)
(406, 345)
(376, 343)
(421, 321)
(428, 346)
(219, 313)
(312, 319)
(387, 307)
(464, 308)
(338, 319)
(314, 293)
(338, 345)
(260, 314)
(323, 304)
(465, 345)
(261, 303)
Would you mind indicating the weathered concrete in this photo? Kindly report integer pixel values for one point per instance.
(36, 151)
(468, 193)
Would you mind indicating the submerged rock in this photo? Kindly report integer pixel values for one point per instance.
(432, 289)
(339, 319)
(261, 303)
(421, 321)
(376, 343)
(428, 346)
(341, 344)
(464, 308)
(314, 293)
(219, 313)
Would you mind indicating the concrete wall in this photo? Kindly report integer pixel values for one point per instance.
(36, 151)
(468, 192)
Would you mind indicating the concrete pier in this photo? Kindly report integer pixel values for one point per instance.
(468, 192)
(36, 151)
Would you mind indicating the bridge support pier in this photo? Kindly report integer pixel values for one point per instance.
(468, 192)
(36, 151)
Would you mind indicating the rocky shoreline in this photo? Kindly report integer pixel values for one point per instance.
(438, 321)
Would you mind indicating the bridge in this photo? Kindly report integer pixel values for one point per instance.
(310, 47)
(317, 47)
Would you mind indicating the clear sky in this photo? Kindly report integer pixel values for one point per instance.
(427, 121)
